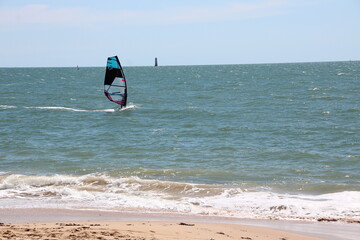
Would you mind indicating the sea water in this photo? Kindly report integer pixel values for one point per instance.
(270, 141)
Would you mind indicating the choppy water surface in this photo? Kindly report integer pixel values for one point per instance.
(260, 141)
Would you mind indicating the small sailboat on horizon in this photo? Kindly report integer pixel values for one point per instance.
(156, 62)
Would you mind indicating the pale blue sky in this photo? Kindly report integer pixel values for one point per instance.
(187, 32)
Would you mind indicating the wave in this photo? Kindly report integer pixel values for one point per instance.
(7, 106)
(58, 108)
(131, 106)
(104, 192)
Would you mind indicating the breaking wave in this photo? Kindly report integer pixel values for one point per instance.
(104, 192)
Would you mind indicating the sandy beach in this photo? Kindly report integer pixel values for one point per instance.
(72, 224)
(141, 230)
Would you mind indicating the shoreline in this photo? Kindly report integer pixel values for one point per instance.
(48, 217)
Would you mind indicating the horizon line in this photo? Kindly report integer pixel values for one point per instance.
(179, 65)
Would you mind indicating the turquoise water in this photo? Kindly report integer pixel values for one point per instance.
(223, 140)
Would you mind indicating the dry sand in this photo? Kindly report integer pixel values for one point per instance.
(141, 230)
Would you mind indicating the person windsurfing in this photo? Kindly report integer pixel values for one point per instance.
(115, 88)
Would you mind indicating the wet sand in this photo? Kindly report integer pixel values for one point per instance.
(71, 224)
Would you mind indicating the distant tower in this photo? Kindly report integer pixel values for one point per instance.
(156, 64)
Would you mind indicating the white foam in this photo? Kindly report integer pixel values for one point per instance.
(342, 205)
(121, 193)
(73, 109)
(59, 108)
(103, 110)
(130, 106)
(7, 106)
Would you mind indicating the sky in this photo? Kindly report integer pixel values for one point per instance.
(67, 33)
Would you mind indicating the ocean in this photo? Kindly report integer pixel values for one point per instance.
(260, 141)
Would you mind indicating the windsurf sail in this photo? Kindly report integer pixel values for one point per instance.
(156, 63)
(115, 88)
